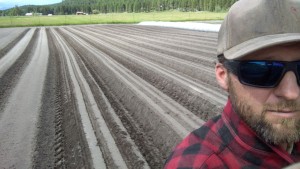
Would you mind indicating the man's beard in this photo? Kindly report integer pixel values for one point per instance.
(289, 131)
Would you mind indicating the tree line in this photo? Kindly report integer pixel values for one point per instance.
(111, 6)
(118, 6)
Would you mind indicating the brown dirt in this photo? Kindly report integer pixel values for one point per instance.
(151, 85)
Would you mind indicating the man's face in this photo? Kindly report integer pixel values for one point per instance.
(274, 113)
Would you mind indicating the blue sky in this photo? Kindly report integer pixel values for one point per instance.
(4, 4)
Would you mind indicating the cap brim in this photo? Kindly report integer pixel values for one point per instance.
(255, 44)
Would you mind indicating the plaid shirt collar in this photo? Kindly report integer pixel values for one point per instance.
(249, 140)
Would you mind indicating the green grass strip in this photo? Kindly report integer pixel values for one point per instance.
(110, 18)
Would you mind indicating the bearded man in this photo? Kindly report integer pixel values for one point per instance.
(259, 66)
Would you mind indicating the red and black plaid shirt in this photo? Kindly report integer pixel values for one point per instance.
(227, 142)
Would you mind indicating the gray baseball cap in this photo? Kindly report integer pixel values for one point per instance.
(251, 25)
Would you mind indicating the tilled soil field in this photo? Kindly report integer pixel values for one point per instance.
(102, 96)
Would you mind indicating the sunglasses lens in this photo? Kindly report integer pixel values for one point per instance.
(261, 73)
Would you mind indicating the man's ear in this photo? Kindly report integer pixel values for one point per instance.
(222, 76)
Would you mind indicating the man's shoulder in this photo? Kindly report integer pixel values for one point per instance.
(200, 146)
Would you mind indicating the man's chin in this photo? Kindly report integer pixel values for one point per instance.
(282, 124)
(279, 133)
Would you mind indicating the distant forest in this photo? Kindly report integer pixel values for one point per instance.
(117, 6)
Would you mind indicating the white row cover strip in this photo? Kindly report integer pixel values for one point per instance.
(185, 25)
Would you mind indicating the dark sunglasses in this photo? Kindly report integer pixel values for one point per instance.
(262, 73)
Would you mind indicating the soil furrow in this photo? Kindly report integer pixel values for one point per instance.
(165, 32)
(122, 51)
(125, 59)
(9, 46)
(111, 153)
(144, 142)
(21, 113)
(12, 56)
(72, 139)
(12, 74)
(169, 35)
(175, 51)
(170, 41)
(134, 103)
(198, 71)
(44, 152)
(103, 96)
(126, 146)
(9, 34)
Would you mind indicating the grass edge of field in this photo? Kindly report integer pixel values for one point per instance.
(110, 18)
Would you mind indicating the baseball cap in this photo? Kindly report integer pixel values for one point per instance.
(251, 25)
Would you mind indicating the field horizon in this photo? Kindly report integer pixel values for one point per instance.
(109, 18)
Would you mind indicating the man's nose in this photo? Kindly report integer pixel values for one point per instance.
(288, 88)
